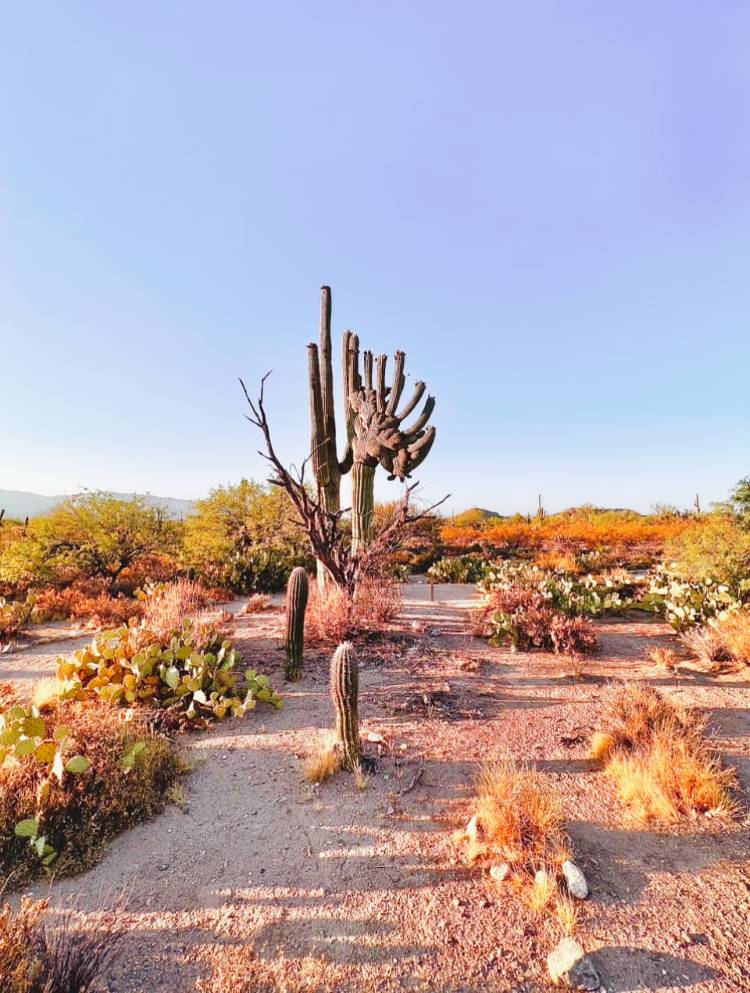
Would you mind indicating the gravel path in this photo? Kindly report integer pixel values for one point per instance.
(364, 888)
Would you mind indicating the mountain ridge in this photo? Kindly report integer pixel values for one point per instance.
(19, 504)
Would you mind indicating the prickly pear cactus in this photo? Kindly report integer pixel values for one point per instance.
(344, 693)
(296, 604)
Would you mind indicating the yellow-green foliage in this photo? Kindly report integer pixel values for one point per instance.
(127, 667)
(245, 537)
(95, 534)
(718, 547)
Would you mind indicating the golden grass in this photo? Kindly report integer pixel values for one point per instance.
(519, 820)
(657, 755)
(665, 658)
(734, 633)
(323, 763)
(567, 913)
(47, 692)
(542, 891)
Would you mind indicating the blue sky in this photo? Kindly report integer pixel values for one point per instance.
(546, 203)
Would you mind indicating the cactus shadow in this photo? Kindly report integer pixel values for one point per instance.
(624, 969)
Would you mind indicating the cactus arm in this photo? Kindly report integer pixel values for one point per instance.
(419, 451)
(382, 389)
(326, 382)
(316, 411)
(413, 433)
(419, 389)
(399, 381)
(368, 369)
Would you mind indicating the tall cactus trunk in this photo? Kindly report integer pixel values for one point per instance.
(363, 505)
(296, 604)
(344, 694)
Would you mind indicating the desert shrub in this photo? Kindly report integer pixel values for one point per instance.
(458, 569)
(685, 602)
(420, 544)
(72, 776)
(657, 755)
(191, 667)
(257, 604)
(559, 560)
(620, 536)
(717, 548)
(245, 537)
(333, 616)
(526, 620)
(53, 604)
(37, 957)
(14, 616)
(724, 639)
(95, 534)
(589, 595)
(518, 820)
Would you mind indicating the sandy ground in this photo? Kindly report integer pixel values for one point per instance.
(367, 885)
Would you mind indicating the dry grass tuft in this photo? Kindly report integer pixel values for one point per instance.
(724, 639)
(567, 913)
(519, 820)
(542, 891)
(657, 755)
(38, 958)
(666, 658)
(332, 616)
(323, 763)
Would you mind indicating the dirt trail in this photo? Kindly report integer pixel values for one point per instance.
(368, 883)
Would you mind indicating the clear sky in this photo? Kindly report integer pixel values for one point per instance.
(546, 203)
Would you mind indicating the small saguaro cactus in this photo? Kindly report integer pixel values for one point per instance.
(296, 604)
(344, 692)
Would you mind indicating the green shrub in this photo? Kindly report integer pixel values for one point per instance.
(576, 596)
(718, 547)
(93, 535)
(245, 537)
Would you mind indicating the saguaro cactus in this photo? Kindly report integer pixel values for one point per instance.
(296, 604)
(344, 693)
(379, 435)
(374, 427)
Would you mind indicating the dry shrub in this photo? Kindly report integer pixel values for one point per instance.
(657, 755)
(166, 609)
(332, 616)
(525, 618)
(36, 957)
(79, 813)
(666, 658)
(13, 618)
(734, 631)
(79, 602)
(725, 639)
(674, 777)
(558, 560)
(706, 644)
(519, 820)
(257, 603)
(325, 761)
(145, 570)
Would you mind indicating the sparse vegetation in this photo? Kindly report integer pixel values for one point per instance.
(72, 775)
(37, 956)
(657, 755)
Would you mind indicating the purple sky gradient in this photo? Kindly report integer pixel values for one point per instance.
(547, 204)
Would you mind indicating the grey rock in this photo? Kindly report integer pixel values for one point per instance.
(575, 880)
(569, 964)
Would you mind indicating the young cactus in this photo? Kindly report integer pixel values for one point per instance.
(344, 692)
(296, 604)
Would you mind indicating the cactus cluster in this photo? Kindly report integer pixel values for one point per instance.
(296, 605)
(344, 693)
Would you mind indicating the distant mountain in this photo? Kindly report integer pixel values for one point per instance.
(19, 504)
(473, 516)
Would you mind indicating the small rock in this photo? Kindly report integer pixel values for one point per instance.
(575, 880)
(540, 877)
(568, 963)
(499, 872)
